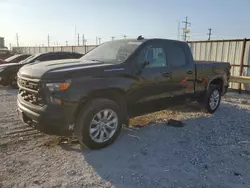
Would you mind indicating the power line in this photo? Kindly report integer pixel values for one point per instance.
(209, 33)
(185, 29)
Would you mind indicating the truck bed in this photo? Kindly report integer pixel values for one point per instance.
(208, 70)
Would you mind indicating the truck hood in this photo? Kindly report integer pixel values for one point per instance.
(56, 68)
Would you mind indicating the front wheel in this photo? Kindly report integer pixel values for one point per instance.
(99, 123)
(212, 99)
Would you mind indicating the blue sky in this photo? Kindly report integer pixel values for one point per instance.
(33, 20)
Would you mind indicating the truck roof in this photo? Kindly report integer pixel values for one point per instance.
(150, 39)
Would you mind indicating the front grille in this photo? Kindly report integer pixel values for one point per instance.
(31, 97)
(29, 92)
(28, 84)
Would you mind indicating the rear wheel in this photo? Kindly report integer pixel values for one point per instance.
(212, 99)
(99, 123)
(13, 81)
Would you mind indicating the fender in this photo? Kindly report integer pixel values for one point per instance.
(214, 78)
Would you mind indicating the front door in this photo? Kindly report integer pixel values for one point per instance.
(152, 80)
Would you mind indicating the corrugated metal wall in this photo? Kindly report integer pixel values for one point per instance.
(34, 50)
(225, 50)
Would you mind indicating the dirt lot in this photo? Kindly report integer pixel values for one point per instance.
(209, 151)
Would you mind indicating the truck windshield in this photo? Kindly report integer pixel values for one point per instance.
(113, 52)
(29, 59)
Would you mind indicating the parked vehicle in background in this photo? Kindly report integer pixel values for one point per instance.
(8, 72)
(5, 53)
(14, 59)
(91, 96)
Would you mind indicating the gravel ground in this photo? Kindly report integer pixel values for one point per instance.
(209, 151)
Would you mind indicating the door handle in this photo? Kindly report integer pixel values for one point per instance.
(167, 74)
(189, 72)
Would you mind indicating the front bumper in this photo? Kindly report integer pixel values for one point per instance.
(50, 119)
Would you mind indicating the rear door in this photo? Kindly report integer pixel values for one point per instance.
(153, 79)
(182, 68)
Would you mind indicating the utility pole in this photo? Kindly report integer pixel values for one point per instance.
(209, 33)
(99, 40)
(178, 31)
(96, 40)
(66, 42)
(17, 40)
(83, 40)
(185, 29)
(48, 40)
(78, 39)
(112, 38)
(75, 36)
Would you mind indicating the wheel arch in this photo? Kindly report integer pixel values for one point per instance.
(115, 94)
(217, 80)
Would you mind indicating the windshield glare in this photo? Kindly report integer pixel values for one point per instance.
(113, 52)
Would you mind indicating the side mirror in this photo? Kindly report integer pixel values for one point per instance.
(145, 63)
(141, 66)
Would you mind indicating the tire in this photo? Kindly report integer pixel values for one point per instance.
(212, 99)
(87, 118)
(13, 81)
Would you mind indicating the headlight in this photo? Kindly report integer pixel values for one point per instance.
(60, 86)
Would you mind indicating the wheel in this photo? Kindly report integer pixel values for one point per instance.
(13, 81)
(212, 99)
(99, 123)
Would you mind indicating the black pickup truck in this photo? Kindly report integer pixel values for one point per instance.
(90, 97)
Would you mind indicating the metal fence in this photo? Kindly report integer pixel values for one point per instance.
(33, 50)
(237, 52)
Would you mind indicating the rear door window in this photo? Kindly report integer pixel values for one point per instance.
(176, 55)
